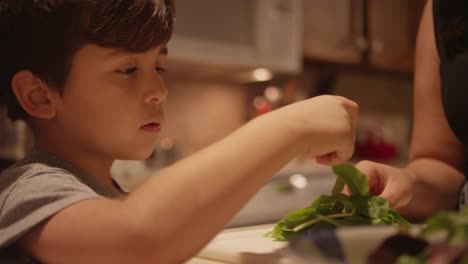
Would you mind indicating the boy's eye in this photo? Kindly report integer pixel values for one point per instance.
(127, 71)
(161, 70)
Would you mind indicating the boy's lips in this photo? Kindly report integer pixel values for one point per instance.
(152, 127)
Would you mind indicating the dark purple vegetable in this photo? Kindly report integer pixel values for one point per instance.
(394, 247)
(444, 254)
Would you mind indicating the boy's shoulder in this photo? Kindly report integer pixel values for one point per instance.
(28, 169)
(50, 172)
(32, 191)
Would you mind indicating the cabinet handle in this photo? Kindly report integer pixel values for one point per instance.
(361, 43)
(281, 8)
(357, 39)
(377, 46)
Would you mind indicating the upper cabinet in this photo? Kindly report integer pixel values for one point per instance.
(393, 26)
(380, 33)
(333, 30)
(240, 33)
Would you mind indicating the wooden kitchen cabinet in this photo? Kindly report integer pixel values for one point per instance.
(379, 33)
(333, 30)
(392, 30)
(239, 34)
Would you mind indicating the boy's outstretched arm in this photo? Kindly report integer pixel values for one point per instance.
(177, 211)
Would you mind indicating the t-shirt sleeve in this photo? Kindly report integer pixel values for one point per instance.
(34, 198)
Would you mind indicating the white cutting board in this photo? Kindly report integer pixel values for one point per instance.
(247, 245)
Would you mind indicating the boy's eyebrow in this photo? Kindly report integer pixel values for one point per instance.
(163, 51)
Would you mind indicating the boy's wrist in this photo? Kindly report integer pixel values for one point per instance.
(281, 121)
(286, 120)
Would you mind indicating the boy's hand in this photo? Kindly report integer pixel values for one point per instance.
(393, 184)
(326, 124)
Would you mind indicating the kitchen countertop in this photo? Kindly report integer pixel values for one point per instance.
(242, 245)
(231, 245)
(247, 245)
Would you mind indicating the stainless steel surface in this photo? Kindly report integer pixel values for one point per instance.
(284, 193)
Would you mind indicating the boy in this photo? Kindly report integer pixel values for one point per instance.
(86, 76)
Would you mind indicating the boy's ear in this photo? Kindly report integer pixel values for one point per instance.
(33, 95)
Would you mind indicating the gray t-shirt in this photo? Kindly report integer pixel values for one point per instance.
(33, 190)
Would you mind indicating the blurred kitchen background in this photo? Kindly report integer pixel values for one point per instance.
(232, 60)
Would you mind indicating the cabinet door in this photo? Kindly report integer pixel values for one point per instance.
(393, 26)
(333, 30)
(240, 33)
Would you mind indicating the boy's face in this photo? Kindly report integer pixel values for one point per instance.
(112, 102)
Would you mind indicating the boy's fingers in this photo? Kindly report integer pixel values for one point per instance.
(352, 107)
(333, 158)
(324, 159)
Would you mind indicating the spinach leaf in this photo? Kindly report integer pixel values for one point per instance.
(453, 225)
(300, 216)
(353, 178)
(394, 217)
(370, 206)
(338, 187)
(338, 209)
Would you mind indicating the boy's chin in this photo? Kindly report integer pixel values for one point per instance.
(136, 156)
(144, 156)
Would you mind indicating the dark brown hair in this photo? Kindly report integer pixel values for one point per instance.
(43, 35)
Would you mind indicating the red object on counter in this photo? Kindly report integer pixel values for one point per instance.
(262, 107)
(375, 147)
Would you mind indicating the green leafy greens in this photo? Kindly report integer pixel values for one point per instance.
(453, 225)
(338, 209)
(451, 231)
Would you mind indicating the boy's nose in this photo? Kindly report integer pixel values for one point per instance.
(156, 91)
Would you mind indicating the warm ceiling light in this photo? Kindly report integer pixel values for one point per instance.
(298, 180)
(262, 74)
(273, 94)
